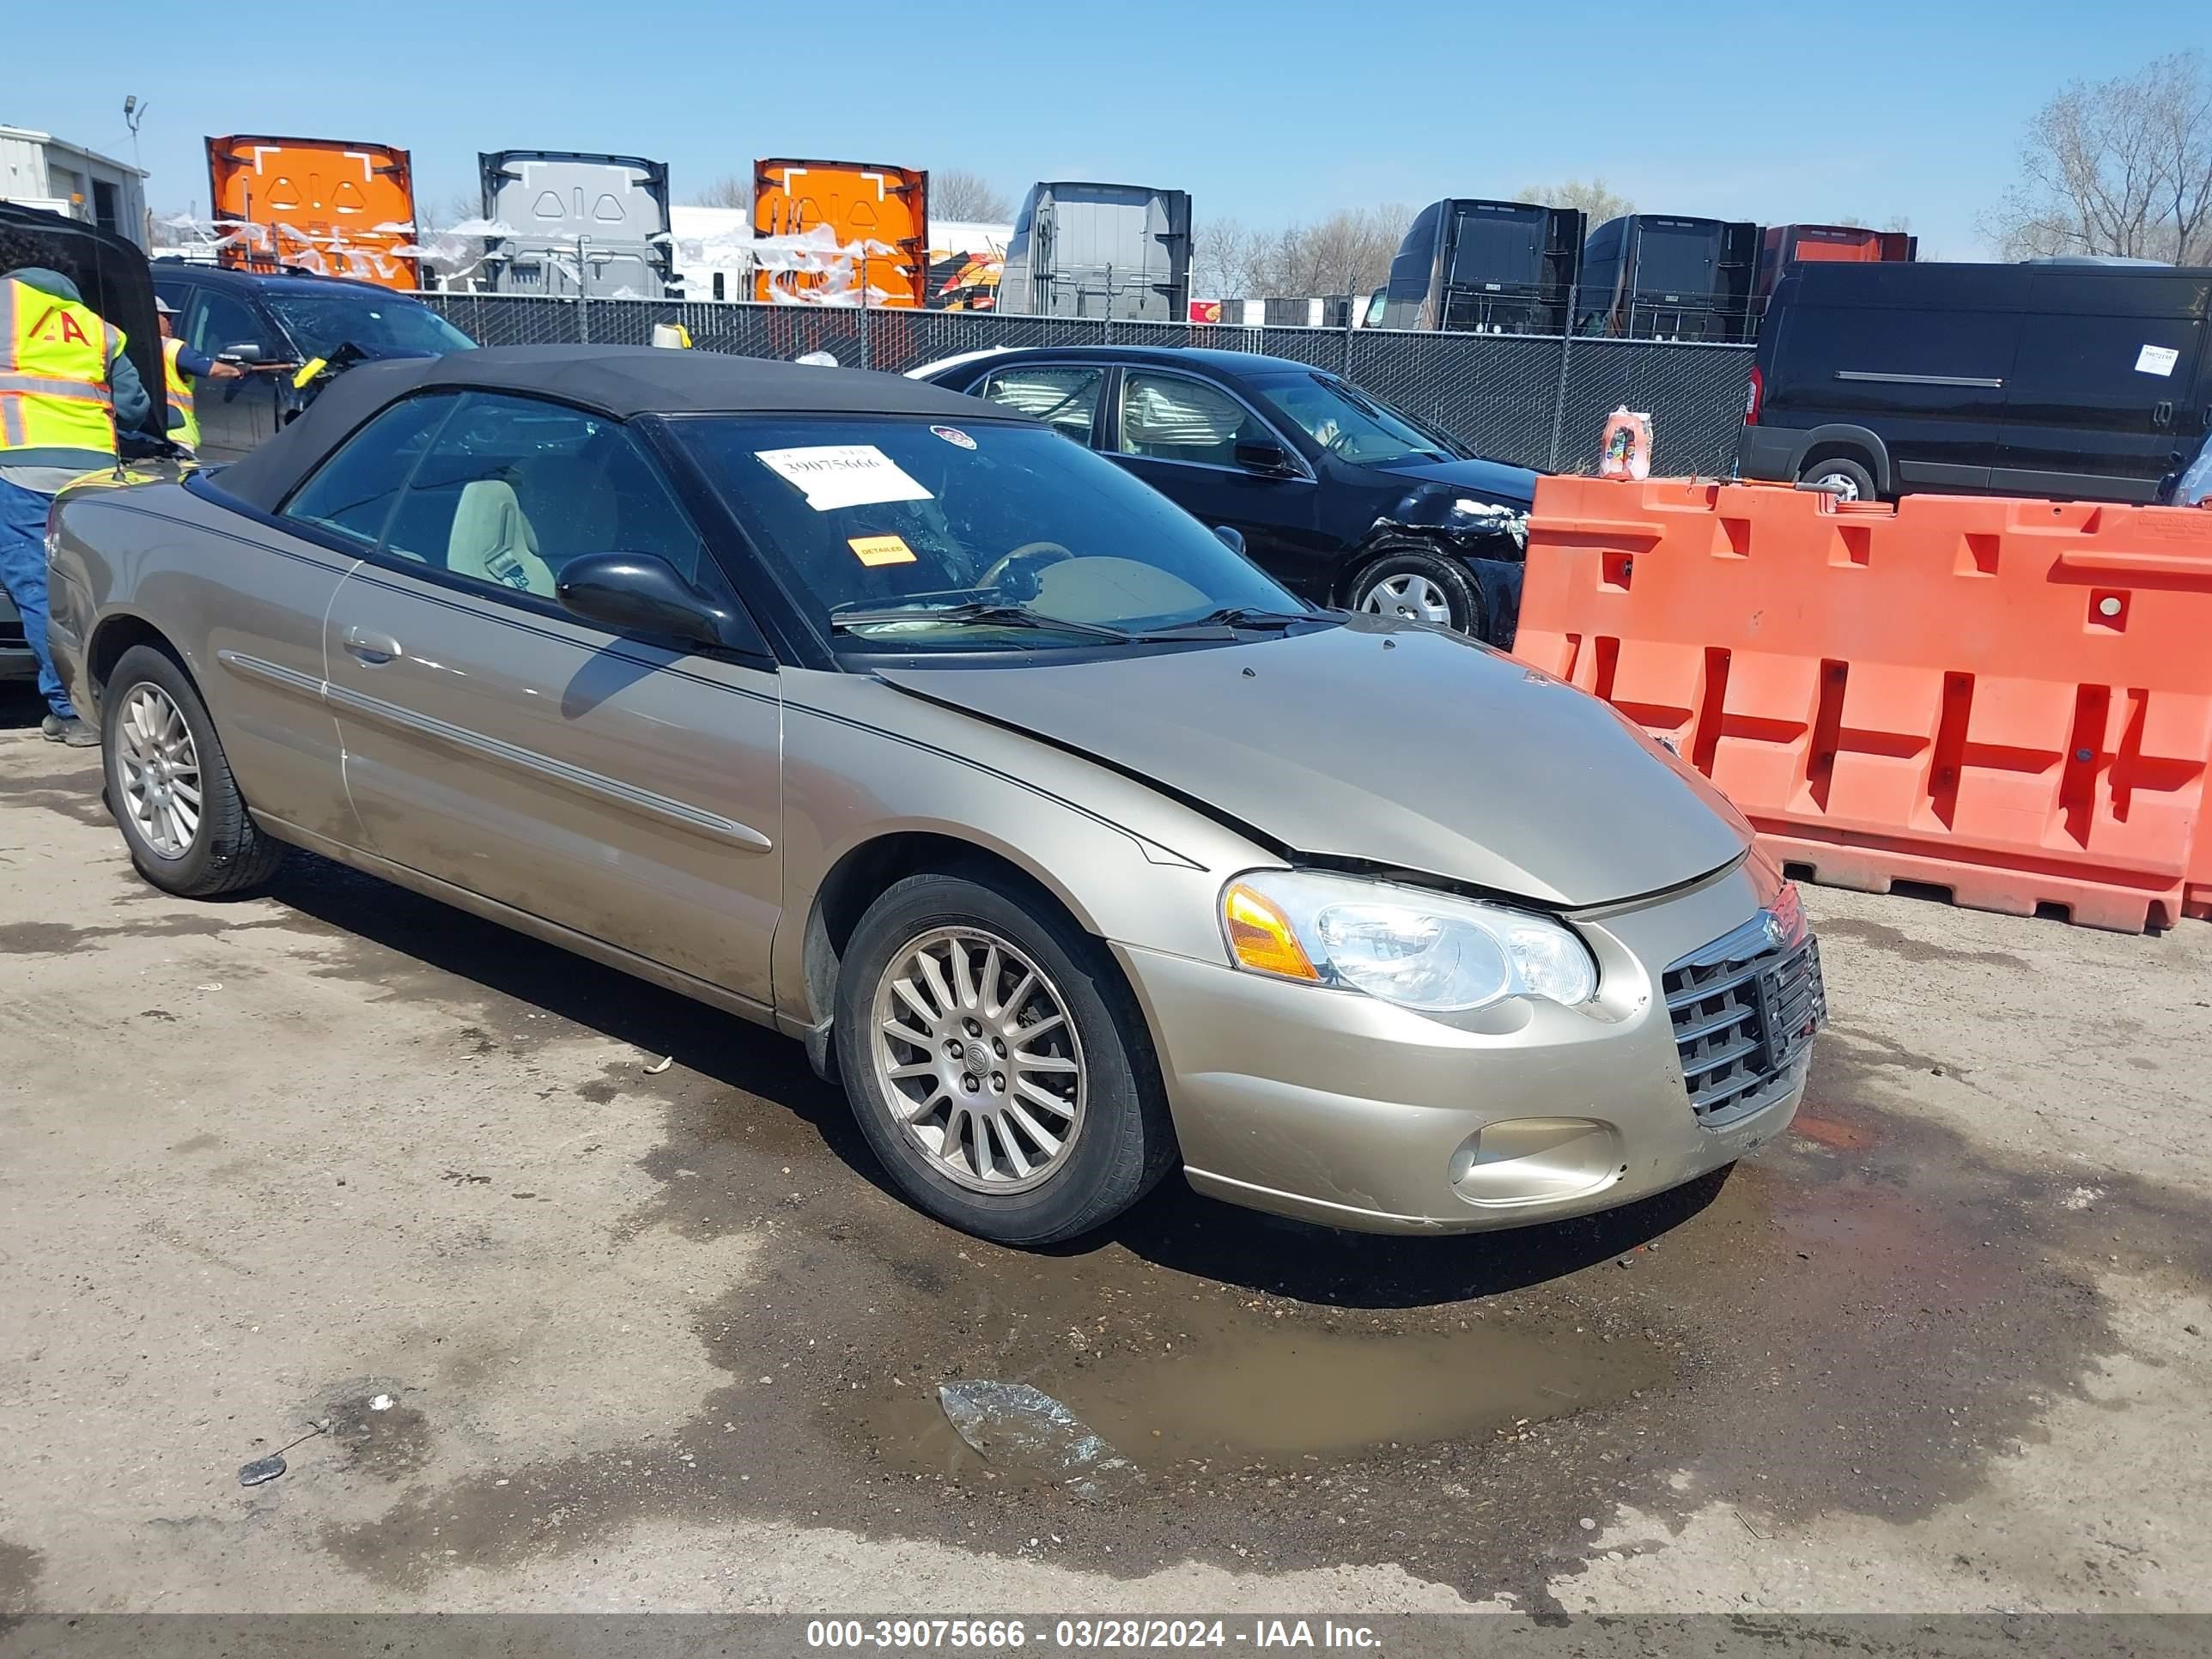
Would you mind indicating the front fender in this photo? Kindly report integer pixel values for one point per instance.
(863, 763)
(1458, 518)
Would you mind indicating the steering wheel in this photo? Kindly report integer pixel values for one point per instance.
(1049, 552)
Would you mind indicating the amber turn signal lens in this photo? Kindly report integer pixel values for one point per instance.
(1260, 936)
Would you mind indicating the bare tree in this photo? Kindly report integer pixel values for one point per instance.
(457, 209)
(1598, 202)
(730, 190)
(1222, 259)
(957, 193)
(1348, 252)
(2119, 167)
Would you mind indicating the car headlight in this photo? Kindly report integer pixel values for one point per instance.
(1423, 951)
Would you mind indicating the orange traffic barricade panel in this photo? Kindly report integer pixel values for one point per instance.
(330, 206)
(841, 234)
(2008, 699)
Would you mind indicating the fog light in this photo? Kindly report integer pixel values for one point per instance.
(1532, 1160)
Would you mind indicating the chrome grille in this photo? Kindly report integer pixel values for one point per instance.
(1745, 1009)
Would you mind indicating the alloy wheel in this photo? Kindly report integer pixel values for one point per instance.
(978, 1060)
(1411, 596)
(160, 771)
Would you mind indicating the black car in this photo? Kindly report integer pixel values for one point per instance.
(1340, 498)
(285, 320)
(2083, 381)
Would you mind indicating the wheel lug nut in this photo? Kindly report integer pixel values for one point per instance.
(973, 1029)
(969, 1084)
(998, 1046)
(998, 1082)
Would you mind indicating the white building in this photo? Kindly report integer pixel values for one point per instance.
(39, 170)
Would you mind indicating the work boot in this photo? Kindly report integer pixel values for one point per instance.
(50, 728)
(73, 732)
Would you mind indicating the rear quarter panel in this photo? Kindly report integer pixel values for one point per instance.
(241, 606)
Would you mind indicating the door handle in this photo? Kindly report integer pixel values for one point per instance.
(2161, 413)
(375, 649)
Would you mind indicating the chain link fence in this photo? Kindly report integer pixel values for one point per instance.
(1536, 400)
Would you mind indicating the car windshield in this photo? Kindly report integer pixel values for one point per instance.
(1351, 425)
(381, 327)
(902, 532)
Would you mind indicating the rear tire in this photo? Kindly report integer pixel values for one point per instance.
(1853, 481)
(1420, 586)
(1022, 1116)
(169, 784)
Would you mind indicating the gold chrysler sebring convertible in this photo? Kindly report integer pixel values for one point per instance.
(1075, 847)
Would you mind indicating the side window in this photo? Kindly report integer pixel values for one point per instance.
(353, 491)
(1170, 418)
(220, 321)
(512, 488)
(1064, 398)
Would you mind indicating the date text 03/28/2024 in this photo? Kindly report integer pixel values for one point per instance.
(1006, 1635)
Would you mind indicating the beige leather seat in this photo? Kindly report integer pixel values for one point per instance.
(492, 540)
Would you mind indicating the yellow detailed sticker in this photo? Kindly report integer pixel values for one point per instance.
(880, 550)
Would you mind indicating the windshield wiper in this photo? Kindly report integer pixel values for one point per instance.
(977, 610)
(1234, 615)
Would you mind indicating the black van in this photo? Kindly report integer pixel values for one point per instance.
(1659, 277)
(2075, 380)
(1484, 267)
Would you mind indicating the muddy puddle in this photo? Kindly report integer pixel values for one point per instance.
(1249, 1396)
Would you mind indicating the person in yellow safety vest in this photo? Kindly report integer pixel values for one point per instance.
(182, 370)
(64, 387)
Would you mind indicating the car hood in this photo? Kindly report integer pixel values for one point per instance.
(1494, 481)
(1386, 742)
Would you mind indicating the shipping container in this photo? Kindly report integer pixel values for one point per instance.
(872, 224)
(1485, 267)
(1090, 250)
(1662, 277)
(322, 205)
(1782, 245)
(596, 226)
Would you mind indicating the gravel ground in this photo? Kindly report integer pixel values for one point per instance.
(592, 1336)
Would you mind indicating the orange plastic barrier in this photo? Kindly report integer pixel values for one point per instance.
(2009, 699)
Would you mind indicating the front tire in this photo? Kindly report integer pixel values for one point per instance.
(1420, 586)
(169, 784)
(997, 1064)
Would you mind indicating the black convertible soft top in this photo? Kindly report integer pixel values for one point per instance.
(617, 381)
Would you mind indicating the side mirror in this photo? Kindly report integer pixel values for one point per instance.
(1262, 455)
(1232, 537)
(244, 352)
(638, 593)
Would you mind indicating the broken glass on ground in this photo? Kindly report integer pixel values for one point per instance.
(1012, 1424)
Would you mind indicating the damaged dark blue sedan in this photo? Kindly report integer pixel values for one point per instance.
(1336, 494)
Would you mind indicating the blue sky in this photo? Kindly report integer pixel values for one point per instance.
(1268, 113)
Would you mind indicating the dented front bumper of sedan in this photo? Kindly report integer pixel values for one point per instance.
(1337, 1108)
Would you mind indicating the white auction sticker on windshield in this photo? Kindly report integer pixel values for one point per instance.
(843, 475)
(2156, 360)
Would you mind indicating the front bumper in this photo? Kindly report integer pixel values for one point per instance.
(1335, 1108)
